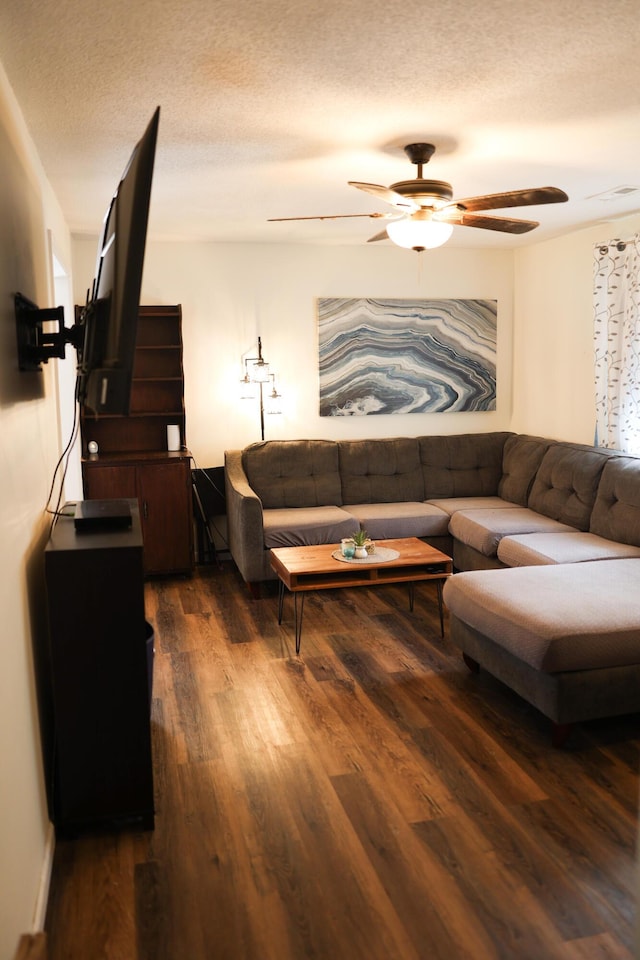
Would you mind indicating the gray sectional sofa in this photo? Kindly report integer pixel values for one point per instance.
(544, 535)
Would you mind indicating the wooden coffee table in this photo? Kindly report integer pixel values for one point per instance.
(301, 569)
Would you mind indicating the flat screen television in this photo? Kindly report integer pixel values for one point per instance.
(106, 337)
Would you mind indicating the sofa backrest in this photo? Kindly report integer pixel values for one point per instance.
(566, 483)
(521, 458)
(616, 512)
(463, 465)
(587, 487)
(380, 471)
(294, 473)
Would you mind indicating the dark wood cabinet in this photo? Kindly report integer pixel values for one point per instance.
(99, 668)
(133, 459)
(162, 485)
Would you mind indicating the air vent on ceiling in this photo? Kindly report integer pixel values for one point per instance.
(616, 193)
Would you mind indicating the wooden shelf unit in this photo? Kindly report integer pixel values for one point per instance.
(132, 458)
(157, 390)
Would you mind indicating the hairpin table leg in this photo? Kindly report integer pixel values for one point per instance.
(439, 586)
(298, 618)
(280, 599)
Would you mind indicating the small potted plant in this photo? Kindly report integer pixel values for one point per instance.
(361, 539)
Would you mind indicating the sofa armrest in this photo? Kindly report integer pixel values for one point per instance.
(244, 519)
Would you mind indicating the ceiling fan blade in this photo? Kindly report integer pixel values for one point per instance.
(514, 198)
(463, 219)
(334, 216)
(383, 235)
(389, 196)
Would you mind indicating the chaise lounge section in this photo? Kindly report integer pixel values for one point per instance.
(566, 638)
(561, 626)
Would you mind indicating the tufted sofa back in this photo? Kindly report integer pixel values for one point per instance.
(463, 465)
(294, 473)
(616, 512)
(587, 487)
(380, 471)
(522, 456)
(566, 483)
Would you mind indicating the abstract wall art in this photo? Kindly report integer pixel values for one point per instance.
(406, 356)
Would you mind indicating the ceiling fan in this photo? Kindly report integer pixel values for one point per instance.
(425, 211)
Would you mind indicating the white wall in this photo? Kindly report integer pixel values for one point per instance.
(231, 293)
(28, 453)
(553, 369)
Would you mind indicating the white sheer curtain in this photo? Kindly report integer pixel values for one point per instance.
(617, 344)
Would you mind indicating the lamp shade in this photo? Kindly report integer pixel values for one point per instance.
(419, 232)
(273, 404)
(259, 371)
(248, 389)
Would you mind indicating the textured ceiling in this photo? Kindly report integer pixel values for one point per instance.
(269, 107)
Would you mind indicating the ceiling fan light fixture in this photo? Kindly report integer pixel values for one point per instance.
(419, 232)
(425, 210)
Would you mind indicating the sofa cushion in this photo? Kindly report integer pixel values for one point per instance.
(294, 473)
(306, 526)
(521, 458)
(380, 471)
(616, 512)
(462, 466)
(566, 483)
(451, 505)
(530, 549)
(388, 521)
(483, 529)
(576, 616)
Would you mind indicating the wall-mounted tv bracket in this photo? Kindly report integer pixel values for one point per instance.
(42, 334)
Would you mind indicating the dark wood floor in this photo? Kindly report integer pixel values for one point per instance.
(367, 799)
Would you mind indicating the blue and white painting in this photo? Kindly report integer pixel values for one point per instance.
(406, 356)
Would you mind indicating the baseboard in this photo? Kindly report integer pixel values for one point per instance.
(40, 911)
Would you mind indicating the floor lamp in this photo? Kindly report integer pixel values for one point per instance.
(256, 371)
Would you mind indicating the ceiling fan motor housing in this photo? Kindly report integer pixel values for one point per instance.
(424, 191)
